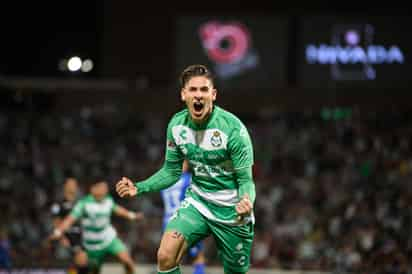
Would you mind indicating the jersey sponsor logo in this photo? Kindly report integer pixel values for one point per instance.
(211, 156)
(183, 134)
(201, 169)
(216, 140)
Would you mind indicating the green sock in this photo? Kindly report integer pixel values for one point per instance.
(174, 270)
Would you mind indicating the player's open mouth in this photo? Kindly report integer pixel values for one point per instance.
(198, 107)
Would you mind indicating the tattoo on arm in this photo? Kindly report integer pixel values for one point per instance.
(177, 235)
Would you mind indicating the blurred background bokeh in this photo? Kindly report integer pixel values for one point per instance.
(86, 90)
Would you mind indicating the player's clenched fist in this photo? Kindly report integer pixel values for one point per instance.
(244, 206)
(126, 188)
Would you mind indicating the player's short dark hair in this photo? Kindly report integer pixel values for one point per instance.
(192, 71)
(94, 180)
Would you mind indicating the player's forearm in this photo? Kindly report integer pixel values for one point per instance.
(57, 221)
(64, 225)
(246, 184)
(165, 177)
(124, 213)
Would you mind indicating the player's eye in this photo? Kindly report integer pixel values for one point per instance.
(202, 89)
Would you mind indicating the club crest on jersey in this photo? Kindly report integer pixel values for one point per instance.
(216, 139)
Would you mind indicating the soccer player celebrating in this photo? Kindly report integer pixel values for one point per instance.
(220, 199)
(99, 238)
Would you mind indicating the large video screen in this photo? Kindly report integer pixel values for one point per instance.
(369, 51)
(243, 52)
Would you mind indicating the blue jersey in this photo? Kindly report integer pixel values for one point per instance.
(173, 195)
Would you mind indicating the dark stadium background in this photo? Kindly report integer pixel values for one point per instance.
(333, 158)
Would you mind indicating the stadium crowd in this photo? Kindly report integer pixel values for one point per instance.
(333, 190)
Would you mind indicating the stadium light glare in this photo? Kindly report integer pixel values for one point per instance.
(74, 63)
(87, 65)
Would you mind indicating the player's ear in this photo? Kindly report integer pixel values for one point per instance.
(214, 93)
(182, 95)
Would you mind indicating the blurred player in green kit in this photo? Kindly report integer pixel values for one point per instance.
(99, 238)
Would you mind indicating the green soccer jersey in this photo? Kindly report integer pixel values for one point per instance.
(95, 217)
(215, 151)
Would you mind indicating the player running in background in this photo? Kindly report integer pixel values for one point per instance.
(172, 197)
(99, 238)
(72, 236)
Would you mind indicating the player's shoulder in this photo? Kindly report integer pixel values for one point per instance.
(228, 118)
(85, 199)
(180, 116)
(109, 198)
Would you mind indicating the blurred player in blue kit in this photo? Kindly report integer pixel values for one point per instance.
(172, 197)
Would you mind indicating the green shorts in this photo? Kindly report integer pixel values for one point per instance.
(234, 243)
(96, 257)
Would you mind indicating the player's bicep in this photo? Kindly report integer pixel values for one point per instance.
(68, 221)
(241, 148)
(120, 211)
(173, 153)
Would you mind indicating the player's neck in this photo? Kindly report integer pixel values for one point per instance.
(70, 197)
(99, 199)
